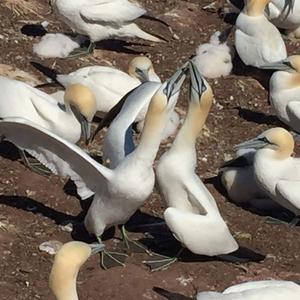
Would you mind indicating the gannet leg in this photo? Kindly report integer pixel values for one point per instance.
(82, 50)
(110, 259)
(275, 221)
(164, 262)
(34, 165)
(131, 245)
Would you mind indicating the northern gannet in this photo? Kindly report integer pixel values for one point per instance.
(118, 192)
(213, 59)
(257, 41)
(109, 85)
(237, 176)
(275, 171)
(68, 121)
(102, 19)
(284, 91)
(192, 214)
(262, 290)
(67, 263)
(285, 14)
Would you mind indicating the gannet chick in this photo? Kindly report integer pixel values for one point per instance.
(213, 59)
(275, 171)
(262, 290)
(118, 192)
(284, 91)
(257, 41)
(108, 85)
(285, 14)
(192, 214)
(101, 19)
(237, 177)
(67, 263)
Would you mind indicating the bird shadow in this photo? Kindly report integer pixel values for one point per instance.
(9, 150)
(120, 46)
(258, 117)
(240, 69)
(281, 213)
(160, 240)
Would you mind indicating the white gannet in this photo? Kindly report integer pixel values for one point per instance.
(118, 192)
(109, 85)
(214, 59)
(68, 121)
(192, 214)
(102, 19)
(285, 14)
(67, 263)
(257, 41)
(253, 290)
(237, 176)
(284, 91)
(275, 171)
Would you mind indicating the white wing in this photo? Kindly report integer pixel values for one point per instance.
(252, 285)
(118, 12)
(288, 193)
(64, 157)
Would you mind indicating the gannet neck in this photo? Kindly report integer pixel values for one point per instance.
(67, 262)
(255, 8)
(195, 119)
(82, 98)
(153, 128)
(293, 81)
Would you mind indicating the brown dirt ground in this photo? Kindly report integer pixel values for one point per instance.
(32, 206)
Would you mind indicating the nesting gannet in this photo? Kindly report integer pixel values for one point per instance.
(237, 176)
(22, 100)
(285, 14)
(262, 290)
(213, 59)
(257, 41)
(275, 171)
(67, 263)
(109, 85)
(284, 91)
(102, 19)
(118, 192)
(192, 214)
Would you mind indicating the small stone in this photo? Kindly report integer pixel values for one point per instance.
(67, 228)
(51, 247)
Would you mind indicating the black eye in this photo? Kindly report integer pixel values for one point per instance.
(264, 139)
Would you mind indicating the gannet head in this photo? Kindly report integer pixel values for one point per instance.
(166, 96)
(278, 139)
(83, 104)
(255, 8)
(141, 68)
(290, 64)
(67, 262)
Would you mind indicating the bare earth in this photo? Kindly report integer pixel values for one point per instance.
(33, 207)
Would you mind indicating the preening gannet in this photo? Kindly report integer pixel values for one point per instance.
(118, 192)
(22, 100)
(284, 91)
(275, 171)
(101, 19)
(67, 263)
(285, 14)
(109, 85)
(237, 176)
(257, 41)
(192, 214)
(262, 290)
(213, 59)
